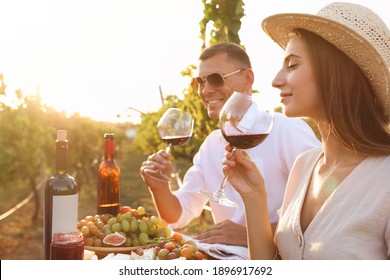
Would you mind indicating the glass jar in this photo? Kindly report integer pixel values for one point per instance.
(67, 246)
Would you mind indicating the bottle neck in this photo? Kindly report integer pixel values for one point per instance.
(109, 149)
(62, 157)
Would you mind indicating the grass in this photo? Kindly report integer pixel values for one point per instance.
(21, 239)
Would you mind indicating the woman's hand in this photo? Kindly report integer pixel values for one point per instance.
(243, 173)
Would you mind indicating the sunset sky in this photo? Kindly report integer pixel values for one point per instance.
(99, 57)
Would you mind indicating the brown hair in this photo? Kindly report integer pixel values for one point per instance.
(353, 113)
(234, 51)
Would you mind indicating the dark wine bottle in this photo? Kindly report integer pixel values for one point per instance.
(61, 196)
(108, 181)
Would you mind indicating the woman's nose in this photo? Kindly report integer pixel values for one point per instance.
(279, 80)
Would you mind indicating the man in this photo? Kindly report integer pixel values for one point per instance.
(223, 69)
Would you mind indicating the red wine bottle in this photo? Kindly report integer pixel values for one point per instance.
(61, 196)
(108, 181)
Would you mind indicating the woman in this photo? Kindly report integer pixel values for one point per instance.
(337, 202)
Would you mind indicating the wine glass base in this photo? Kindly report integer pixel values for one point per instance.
(219, 198)
(157, 175)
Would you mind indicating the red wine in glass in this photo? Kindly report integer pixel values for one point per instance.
(244, 124)
(175, 128)
(175, 140)
(245, 141)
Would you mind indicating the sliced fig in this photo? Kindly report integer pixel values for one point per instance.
(114, 239)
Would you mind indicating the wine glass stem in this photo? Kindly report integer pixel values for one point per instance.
(168, 148)
(221, 189)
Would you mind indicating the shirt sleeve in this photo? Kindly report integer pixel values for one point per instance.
(191, 201)
(295, 136)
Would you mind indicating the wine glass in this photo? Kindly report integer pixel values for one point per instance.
(175, 128)
(244, 124)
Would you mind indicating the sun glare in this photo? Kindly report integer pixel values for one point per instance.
(100, 57)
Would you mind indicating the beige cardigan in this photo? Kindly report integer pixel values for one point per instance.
(353, 223)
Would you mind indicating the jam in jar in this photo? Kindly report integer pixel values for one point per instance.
(67, 246)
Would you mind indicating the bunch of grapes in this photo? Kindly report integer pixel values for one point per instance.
(134, 225)
(173, 248)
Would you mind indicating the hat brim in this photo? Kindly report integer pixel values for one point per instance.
(345, 39)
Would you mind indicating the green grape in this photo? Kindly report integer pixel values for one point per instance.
(162, 224)
(128, 241)
(141, 210)
(160, 232)
(143, 238)
(119, 218)
(142, 226)
(127, 216)
(134, 225)
(152, 230)
(112, 221)
(125, 225)
(107, 232)
(116, 227)
(135, 241)
(148, 222)
(106, 227)
(167, 232)
(155, 220)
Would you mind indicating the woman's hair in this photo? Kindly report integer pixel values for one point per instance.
(353, 113)
(234, 52)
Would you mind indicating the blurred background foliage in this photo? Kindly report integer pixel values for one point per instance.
(221, 23)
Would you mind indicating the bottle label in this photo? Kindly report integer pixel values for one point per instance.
(64, 217)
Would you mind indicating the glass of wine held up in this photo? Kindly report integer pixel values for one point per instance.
(244, 124)
(175, 128)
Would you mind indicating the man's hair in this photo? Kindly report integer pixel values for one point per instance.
(234, 52)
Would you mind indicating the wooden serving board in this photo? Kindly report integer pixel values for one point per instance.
(101, 252)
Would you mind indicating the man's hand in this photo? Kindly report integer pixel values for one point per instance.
(166, 203)
(226, 232)
(158, 162)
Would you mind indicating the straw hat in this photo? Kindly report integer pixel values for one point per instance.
(354, 29)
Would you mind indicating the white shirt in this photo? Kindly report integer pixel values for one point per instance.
(274, 158)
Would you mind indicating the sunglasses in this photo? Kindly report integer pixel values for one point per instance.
(214, 79)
